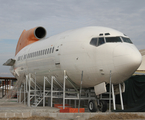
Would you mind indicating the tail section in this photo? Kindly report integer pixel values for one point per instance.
(30, 36)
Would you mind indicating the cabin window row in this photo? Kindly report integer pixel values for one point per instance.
(37, 53)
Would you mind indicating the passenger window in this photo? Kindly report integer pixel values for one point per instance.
(24, 56)
(35, 54)
(94, 41)
(43, 52)
(101, 41)
(47, 51)
(52, 49)
(28, 55)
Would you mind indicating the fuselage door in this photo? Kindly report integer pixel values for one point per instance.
(57, 55)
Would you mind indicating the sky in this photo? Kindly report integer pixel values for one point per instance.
(56, 16)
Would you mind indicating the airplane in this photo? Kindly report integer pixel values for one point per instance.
(95, 50)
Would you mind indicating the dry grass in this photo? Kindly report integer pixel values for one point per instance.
(117, 116)
(29, 118)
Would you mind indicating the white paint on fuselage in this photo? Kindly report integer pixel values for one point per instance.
(75, 54)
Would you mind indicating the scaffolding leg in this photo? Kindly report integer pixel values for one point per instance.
(51, 90)
(2, 89)
(20, 96)
(24, 93)
(64, 89)
(122, 107)
(29, 91)
(17, 96)
(35, 89)
(44, 93)
(110, 94)
(26, 82)
(113, 95)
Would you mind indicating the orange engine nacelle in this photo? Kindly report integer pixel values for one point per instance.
(30, 36)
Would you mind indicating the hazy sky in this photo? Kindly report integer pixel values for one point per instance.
(127, 16)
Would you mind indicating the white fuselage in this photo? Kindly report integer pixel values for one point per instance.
(72, 51)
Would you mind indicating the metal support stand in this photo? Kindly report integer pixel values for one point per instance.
(17, 96)
(80, 91)
(59, 91)
(27, 77)
(24, 93)
(2, 89)
(29, 89)
(20, 95)
(44, 93)
(110, 94)
(113, 95)
(35, 88)
(64, 89)
(51, 91)
(122, 107)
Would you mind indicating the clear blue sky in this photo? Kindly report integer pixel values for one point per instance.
(127, 16)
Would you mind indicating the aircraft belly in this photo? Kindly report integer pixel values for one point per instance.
(74, 76)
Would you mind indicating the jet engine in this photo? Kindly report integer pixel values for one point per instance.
(29, 37)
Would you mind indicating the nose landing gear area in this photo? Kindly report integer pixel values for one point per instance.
(100, 106)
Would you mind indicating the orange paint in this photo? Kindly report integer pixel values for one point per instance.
(26, 38)
(72, 110)
(68, 109)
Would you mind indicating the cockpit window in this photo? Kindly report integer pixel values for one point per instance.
(101, 41)
(113, 39)
(94, 41)
(126, 40)
(97, 41)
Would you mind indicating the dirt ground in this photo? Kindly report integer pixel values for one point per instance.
(30, 118)
(117, 117)
(120, 116)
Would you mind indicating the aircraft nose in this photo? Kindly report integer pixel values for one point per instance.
(126, 59)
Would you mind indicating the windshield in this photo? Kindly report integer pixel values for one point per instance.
(97, 41)
(113, 39)
(126, 40)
